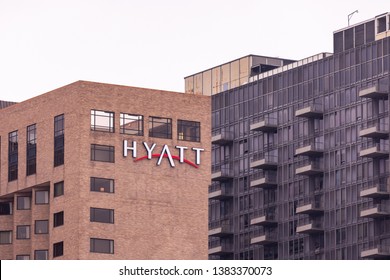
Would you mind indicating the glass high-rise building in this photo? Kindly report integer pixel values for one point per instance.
(300, 157)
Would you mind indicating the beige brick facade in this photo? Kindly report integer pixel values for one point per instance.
(160, 212)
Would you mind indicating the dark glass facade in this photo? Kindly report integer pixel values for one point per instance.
(300, 159)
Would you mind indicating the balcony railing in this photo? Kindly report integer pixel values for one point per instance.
(374, 150)
(311, 205)
(309, 168)
(378, 251)
(220, 228)
(222, 173)
(267, 180)
(265, 217)
(216, 247)
(309, 226)
(373, 92)
(220, 192)
(375, 211)
(262, 237)
(265, 124)
(376, 128)
(376, 189)
(310, 110)
(264, 161)
(222, 137)
(310, 148)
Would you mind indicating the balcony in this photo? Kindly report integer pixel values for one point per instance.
(310, 168)
(310, 206)
(265, 162)
(220, 228)
(375, 211)
(222, 138)
(375, 151)
(373, 92)
(310, 227)
(267, 181)
(376, 190)
(376, 252)
(264, 219)
(264, 238)
(267, 124)
(314, 149)
(219, 192)
(375, 129)
(220, 249)
(314, 111)
(222, 174)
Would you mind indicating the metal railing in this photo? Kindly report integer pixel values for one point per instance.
(269, 213)
(225, 189)
(269, 176)
(228, 135)
(269, 158)
(314, 106)
(380, 124)
(316, 201)
(268, 120)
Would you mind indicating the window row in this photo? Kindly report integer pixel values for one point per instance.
(97, 245)
(133, 124)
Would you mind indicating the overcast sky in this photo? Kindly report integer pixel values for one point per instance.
(46, 44)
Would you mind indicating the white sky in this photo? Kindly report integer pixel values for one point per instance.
(46, 44)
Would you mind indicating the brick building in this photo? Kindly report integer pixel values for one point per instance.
(99, 171)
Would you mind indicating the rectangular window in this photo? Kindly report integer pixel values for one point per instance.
(101, 215)
(102, 185)
(59, 141)
(31, 158)
(58, 219)
(6, 237)
(59, 189)
(58, 249)
(23, 203)
(102, 153)
(42, 197)
(41, 226)
(22, 257)
(102, 121)
(132, 124)
(41, 254)
(5, 208)
(23, 232)
(160, 127)
(13, 156)
(188, 130)
(102, 246)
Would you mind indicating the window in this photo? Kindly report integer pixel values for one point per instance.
(42, 197)
(102, 246)
(58, 219)
(59, 189)
(41, 226)
(22, 257)
(102, 185)
(102, 121)
(59, 142)
(6, 237)
(58, 249)
(23, 232)
(102, 153)
(31, 158)
(101, 215)
(41, 254)
(160, 127)
(132, 124)
(13, 156)
(23, 203)
(188, 131)
(5, 208)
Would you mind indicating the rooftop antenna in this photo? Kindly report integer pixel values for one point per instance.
(350, 16)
